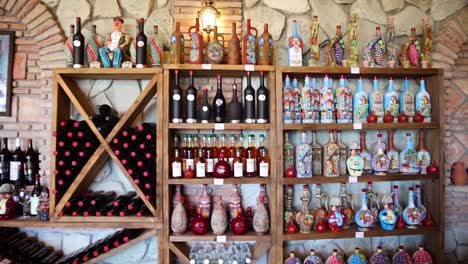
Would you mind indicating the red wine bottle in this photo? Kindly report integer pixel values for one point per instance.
(234, 108)
(17, 159)
(123, 199)
(36, 193)
(262, 101)
(103, 199)
(249, 101)
(176, 100)
(31, 163)
(142, 42)
(219, 103)
(191, 99)
(205, 110)
(5, 158)
(78, 46)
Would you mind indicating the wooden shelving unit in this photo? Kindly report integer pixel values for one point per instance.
(176, 245)
(432, 184)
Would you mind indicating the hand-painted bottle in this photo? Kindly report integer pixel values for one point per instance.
(249, 45)
(327, 102)
(364, 217)
(177, 46)
(365, 154)
(376, 101)
(331, 157)
(411, 214)
(265, 47)
(360, 104)
(423, 102)
(304, 157)
(306, 101)
(156, 48)
(424, 157)
(392, 101)
(344, 102)
(288, 103)
(407, 100)
(294, 47)
(409, 157)
(393, 154)
(317, 155)
(196, 43)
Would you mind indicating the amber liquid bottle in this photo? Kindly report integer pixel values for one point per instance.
(263, 159)
(265, 47)
(200, 165)
(251, 159)
(209, 156)
(237, 165)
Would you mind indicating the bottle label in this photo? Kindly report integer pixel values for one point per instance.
(34, 204)
(209, 165)
(250, 165)
(190, 97)
(189, 162)
(262, 97)
(249, 97)
(176, 97)
(201, 169)
(141, 43)
(205, 108)
(377, 104)
(219, 102)
(264, 169)
(14, 170)
(238, 169)
(76, 43)
(176, 169)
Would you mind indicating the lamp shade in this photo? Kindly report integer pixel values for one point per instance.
(208, 15)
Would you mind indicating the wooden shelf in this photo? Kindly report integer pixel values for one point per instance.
(351, 233)
(189, 237)
(213, 126)
(362, 71)
(363, 178)
(32, 222)
(243, 180)
(365, 126)
(108, 73)
(217, 67)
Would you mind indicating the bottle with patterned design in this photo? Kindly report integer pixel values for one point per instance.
(393, 154)
(360, 104)
(219, 218)
(344, 102)
(317, 155)
(204, 203)
(263, 193)
(297, 112)
(347, 205)
(294, 47)
(343, 154)
(304, 157)
(313, 258)
(373, 202)
(411, 214)
(306, 101)
(422, 256)
(196, 43)
(156, 48)
(249, 45)
(327, 102)
(261, 219)
(292, 259)
(380, 162)
(304, 218)
(288, 102)
(92, 48)
(335, 258)
(379, 257)
(401, 257)
(392, 101)
(289, 212)
(357, 258)
(376, 101)
(422, 209)
(320, 207)
(68, 49)
(288, 153)
(424, 157)
(179, 220)
(407, 101)
(397, 208)
(315, 101)
(177, 46)
(234, 202)
(265, 47)
(364, 217)
(423, 102)
(365, 154)
(409, 157)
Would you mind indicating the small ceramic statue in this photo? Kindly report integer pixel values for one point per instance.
(401, 257)
(334, 52)
(357, 258)
(392, 61)
(43, 207)
(387, 216)
(347, 205)
(292, 259)
(422, 256)
(355, 163)
(426, 61)
(335, 258)
(312, 258)
(8, 207)
(353, 50)
(374, 53)
(314, 43)
(335, 219)
(379, 257)
(304, 218)
(114, 51)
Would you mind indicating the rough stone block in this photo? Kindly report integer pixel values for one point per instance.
(461, 235)
(53, 239)
(462, 254)
(19, 66)
(74, 241)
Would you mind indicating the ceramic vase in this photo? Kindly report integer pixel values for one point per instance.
(261, 220)
(364, 217)
(219, 218)
(179, 220)
(411, 214)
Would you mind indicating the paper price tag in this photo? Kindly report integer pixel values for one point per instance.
(359, 234)
(219, 126)
(221, 239)
(352, 179)
(249, 67)
(206, 66)
(357, 125)
(354, 70)
(218, 182)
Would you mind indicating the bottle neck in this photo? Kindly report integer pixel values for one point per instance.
(18, 143)
(251, 142)
(330, 136)
(375, 85)
(234, 30)
(314, 138)
(176, 153)
(390, 140)
(262, 80)
(409, 142)
(287, 82)
(364, 200)
(219, 85)
(205, 95)
(363, 142)
(411, 199)
(176, 81)
(191, 80)
(262, 141)
(406, 85)
(78, 26)
(304, 137)
(421, 139)
(249, 80)
(422, 85)
(234, 92)
(390, 85)
(5, 143)
(294, 28)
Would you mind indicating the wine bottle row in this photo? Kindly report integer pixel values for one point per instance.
(136, 150)
(254, 109)
(105, 120)
(11, 160)
(102, 203)
(209, 157)
(100, 247)
(17, 247)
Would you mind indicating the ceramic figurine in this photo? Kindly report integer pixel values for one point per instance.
(423, 101)
(261, 220)
(424, 157)
(422, 256)
(288, 154)
(373, 202)
(156, 48)
(294, 47)
(249, 45)
(392, 60)
(93, 46)
(288, 101)
(407, 100)
(409, 158)
(304, 157)
(320, 210)
(327, 102)
(239, 225)
(44, 204)
(401, 257)
(353, 50)
(335, 258)
(289, 213)
(304, 218)
(316, 93)
(68, 48)
(234, 202)
(355, 163)
(392, 154)
(347, 205)
(376, 101)
(335, 218)
(306, 101)
(344, 102)
(422, 209)
(233, 53)
(118, 44)
(317, 155)
(343, 154)
(8, 207)
(177, 46)
(387, 216)
(331, 157)
(380, 162)
(204, 203)
(314, 43)
(265, 47)
(397, 208)
(392, 101)
(357, 258)
(292, 259)
(426, 61)
(411, 214)
(196, 43)
(179, 219)
(360, 104)
(379, 257)
(215, 50)
(312, 258)
(297, 101)
(365, 154)
(334, 52)
(199, 224)
(364, 217)
(219, 219)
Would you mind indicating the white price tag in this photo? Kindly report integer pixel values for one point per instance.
(359, 234)
(221, 239)
(249, 67)
(206, 66)
(218, 182)
(357, 125)
(219, 126)
(352, 179)
(354, 70)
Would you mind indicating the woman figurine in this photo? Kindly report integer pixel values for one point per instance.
(353, 49)
(335, 258)
(401, 257)
(426, 61)
(364, 217)
(334, 217)
(379, 257)
(392, 60)
(347, 205)
(422, 256)
(314, 43)
(357, 258)
(304, 218)
(313, 259)
(292, 259)
(355, 163)
(334, 51)
(387, 216)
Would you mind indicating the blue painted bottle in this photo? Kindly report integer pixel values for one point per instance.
(306, 101)
(327, 102)
(344, 102)
(411, 214)
(288, 101)
(294, 47)
(407, 100)
(409, 157)
(360, 104)
(297, 101)
(423, 101)
(392, 101)
(364, 217)
(376, 101)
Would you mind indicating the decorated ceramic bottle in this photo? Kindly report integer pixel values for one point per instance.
(219, 219)
(387, 216)
(289, 213)
(376, 104)
(364, 217)
(304, 218)
(314, 43)
(313, 258)
(320, 210)
(265, 47)
(392, 101)
(423, 101)
(297, 101)
(396, 200)
(196, 43)
(343, 154)
(422, 209)
(379, 257)
(177, 46)
(92, 48)
(380, 162)
(317, 155)
(392, 154)
(424, 157)
(373, 202)
(304, 157)
(357, 258)
(249, 45)
(411, 214)
(335, 50)
(327, 102)
(288, 153)
(414, 49)
(401, 257)
(215, 50)
(288, 103)
(378, 49)
(204, 203)
(347, 205)
(156, 48)
(294, 47)
(331, 157)
(335, 258)
(409, 157)
(315, 101)
(355, 163)
(292, 259)
(306, 101)
(422, 256)
(233, 53)
(234, 202)
(179, 221)
(344, 102)
(365, 154)
(360, 104)
(407, 100)
(68, 47)
(261, 220)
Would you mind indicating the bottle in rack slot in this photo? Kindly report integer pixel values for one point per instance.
(317, 155)
(360, 104)
(380, 162)
(78, 46)
(233, 54)
(344, 102)
(263, 101)
(411, 214)
(315, 100)
(409, 157)
(177, 164)
(17, 159)
(31, 164)
(177, 46)
(423, 101)
(249, 101)
(141, 43)
(265, 47)
(262, 159)
(209, 155)
(376, 101)
(288, 116)
(238, 165)
(304, 157)
(205, 110)
(297, 110)
(306, 101)
(5, 157)
(219, 103)
(234, 108)
(35, 194)
(232, 148)
(251, 159)
(191, 100)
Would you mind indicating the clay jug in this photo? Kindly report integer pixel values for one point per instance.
(458, 173)
(196, 43)
(265, 47)
(215, 50)
(179, 218)
(219, 218)
(261, 220)
(233, 54)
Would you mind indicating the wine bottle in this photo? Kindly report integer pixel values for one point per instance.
(5, 157)
(234, 108)
(219, 103)
(36, 192)
(142, 43)
(249, 101)
(123, 199)
(31, 164)
(78, 46)
(205, 110)
(191, 99)
(17, 159)
(262, 101)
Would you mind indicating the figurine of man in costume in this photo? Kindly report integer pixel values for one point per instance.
(8, 207)
(116, 45)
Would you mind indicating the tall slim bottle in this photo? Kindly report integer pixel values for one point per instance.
(191, 99)
(78, 46)
(36, 193)
(17, 160)
(393, 154)
(287, 101)
(327, 102)
(392, 101)
(365, 154)
(306, 101)
(177, 46)
(265, 47)
(249, 45)
(304, 157)
(142, 45)
(68, 49)
(315, 101)
(360, 104)
(344, 102)
(234, 108)
(176, 100)
(331, 157)
(263, 101)
(5, 157)
(407, 100)
(233, 54)
(219, 103)
(288, 153)
(196, 43)
(31, 163)
(249, 101)
(424, 157)
(205, 110)
(343, 154)
(294, 47)
(376, 104)
(297, 108)
(423, 101)
(317, 155)
(156, 49)
(251, 160)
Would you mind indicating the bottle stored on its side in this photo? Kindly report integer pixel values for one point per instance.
(191, 99)
(5, 157)
(219, 103)
(234, 108)
(31, 163)
(262, 101)
(142, 42)
(249, 101)
(78, 46)
(205, 110)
